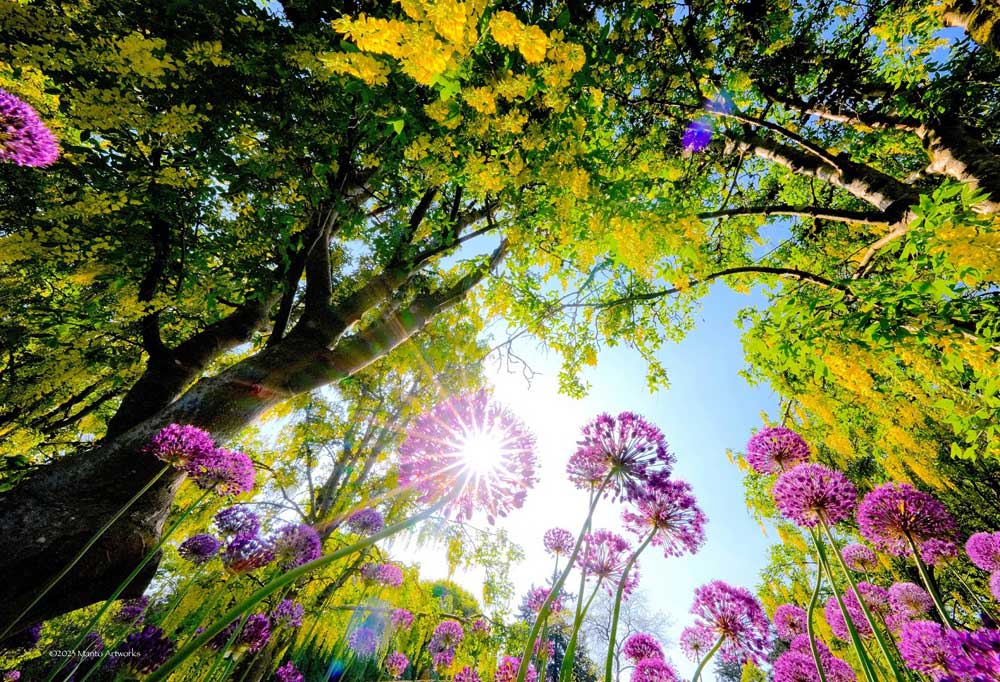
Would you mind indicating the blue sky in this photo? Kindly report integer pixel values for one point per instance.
(708, 409)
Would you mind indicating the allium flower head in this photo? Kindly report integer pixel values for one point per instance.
(475, 446)
(247, 553)
(24, 138)
(224, 472)
(776, 448)
(558, 541)
(253, 636)
(810, 493)
(383, 574)
(467, 674)
(295, 545)
(790, 621)
(12, 676)
(480, 625)
(442, 659)
(401, 619)
(288, 614)
(984, 550)
(132, 610)
(995, 585)
(536, 597)
(180, 445)
(909, 601)
(835, 617)
(289, 673)
(627, 450)
(795, 666)
(696, 640)
(859, 558)
(237, 520)
(395, 664)
(894, 514)
(734, 614)
(641, 645)
(25, 639)
(671, 513)
(146, 650)
(936, 552)
(365, 522)
(975, 655)
(925, 648)
(447, 635)
(697, 135)
(604, 556)
(508, 669)
(654, 669)
(199, 549)
(363, 642)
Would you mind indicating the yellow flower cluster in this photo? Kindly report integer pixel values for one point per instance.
(509, 32)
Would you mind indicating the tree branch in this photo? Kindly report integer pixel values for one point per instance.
(863, 217)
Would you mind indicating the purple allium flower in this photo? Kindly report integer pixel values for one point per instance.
(836, 670)
(288, 614)
(180, 445)
(550, 648)
(835, 617)
(289, 673)
(472, 445)
(132, 610)
(508, 669)
(383, 574)
(247, 553)
(401, 619)
(12, 676)
(810, 493)
(480, 625)
(467, 674)
(145, 651)
(975, 656)
(224, 472)
(641, 645)
(795, 666)
(365, 522)
(790, 621)
(671, 513)
(909, 601)
(734, 614)
(654, 669)
(859, 558)
(237, 520)
(696, 640)
(395, 664)
(896, 514)
(252, 637)
(776, 448)
(25, 639)
(936, 552)
(442, 659)
(604, 556)
(536, 597)
(199, 549)
(984, 550)
(558, 541)
(697, 135)
(363, 642)
(925, 648)
(447, 635)
(295, 545)
(24, 138)
(627, 451)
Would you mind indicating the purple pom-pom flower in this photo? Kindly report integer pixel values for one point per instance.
(237, 520)
(395, 664)
(984, 550)
(247, 553)
(789, 621)
(640, 645)
(736, 616)
(365, 522)
(199, 549)
(558, 541)
(289, 673)
(776, 448)
(812, 493)
(654, 669)
(295, 545)
(288, 614)
(897, 517)
(24, 138)
(670, 513)
(859, 558)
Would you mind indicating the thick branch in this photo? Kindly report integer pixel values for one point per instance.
(862, 217)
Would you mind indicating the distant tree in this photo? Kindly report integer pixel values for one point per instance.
(636, 616)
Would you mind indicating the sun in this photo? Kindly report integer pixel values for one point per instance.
(482, 451)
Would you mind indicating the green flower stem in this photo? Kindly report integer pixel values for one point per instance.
(872, 622)
(566, 670)
(128, 580)
(522, 670)
(83, 550)
(925, 575)
(708, 657)
(866, 664)
(243, 607)
(809, 625)
(975, 596)
(609, 662)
